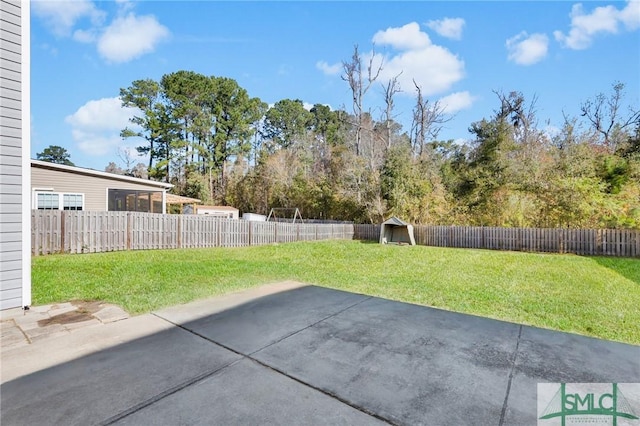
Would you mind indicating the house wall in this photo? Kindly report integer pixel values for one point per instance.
(94, 188)
(15, 241)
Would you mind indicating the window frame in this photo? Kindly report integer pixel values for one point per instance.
(60, 195)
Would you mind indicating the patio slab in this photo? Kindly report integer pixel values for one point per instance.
(302, 355)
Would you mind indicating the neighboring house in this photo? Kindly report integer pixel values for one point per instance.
(15, 145)
(60, 187)
(218, 211)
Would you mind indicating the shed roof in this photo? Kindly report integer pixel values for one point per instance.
(97, 173)
(395, 221)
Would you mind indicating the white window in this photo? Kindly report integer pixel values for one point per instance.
(58, 201)
(47, 201)
(72, 201)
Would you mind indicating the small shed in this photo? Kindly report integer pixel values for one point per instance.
(396, 231)
(226, 212)
(254, 217)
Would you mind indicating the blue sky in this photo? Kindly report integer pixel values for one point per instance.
(561, 52)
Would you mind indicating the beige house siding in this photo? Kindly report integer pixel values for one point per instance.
(15, 247)
(94, 188)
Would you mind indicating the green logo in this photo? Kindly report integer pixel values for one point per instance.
(585, 407)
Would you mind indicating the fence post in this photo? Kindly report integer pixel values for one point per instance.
(129, 228)
(179, 236)
(250, 233)
(62, 231)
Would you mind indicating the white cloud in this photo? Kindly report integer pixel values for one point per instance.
(329, 69)
(448, 27)
(407, 37)
(129, 37)
(434, 68)
(85, 36)
(101, 114)
(412, 57)
(62, 16)
(602, 20)
(456, 102)
(551, 131)
(96, 145)
(124, 5)
(525, 49)
(97, 124)
(630, 15)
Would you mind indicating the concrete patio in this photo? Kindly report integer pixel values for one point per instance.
(290, 353)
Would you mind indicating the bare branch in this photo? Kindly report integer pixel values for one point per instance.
(428, 120)
(354, 77)
(390, 91)
(604, 116)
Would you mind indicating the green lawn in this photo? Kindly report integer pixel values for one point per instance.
(588, 295)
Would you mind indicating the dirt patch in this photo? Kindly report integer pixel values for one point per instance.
(84, 312)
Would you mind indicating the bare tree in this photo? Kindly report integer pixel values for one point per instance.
(124, 154)
(140, 171)
(390, 90)
(114, 168)
(521, 116)
(428, 119)
(605, 116)
(359, 83)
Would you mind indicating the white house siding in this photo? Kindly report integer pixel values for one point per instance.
(15, 241)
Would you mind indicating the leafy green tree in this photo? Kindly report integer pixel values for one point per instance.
(55, 154)
(235, 118)
(412, 188)
(287, 122)
(153, 124)
(186, 94)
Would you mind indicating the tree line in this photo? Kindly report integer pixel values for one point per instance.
(213, 141)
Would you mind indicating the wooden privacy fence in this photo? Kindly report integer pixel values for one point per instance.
(91, 232)
(607, 242)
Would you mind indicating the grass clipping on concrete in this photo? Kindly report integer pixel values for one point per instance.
(594, 296)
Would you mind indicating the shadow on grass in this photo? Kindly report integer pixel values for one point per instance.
(626, 267)
(369, 242)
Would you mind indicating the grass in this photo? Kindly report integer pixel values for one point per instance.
(593, 296)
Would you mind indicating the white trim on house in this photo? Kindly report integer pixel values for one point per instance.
(25, 74)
